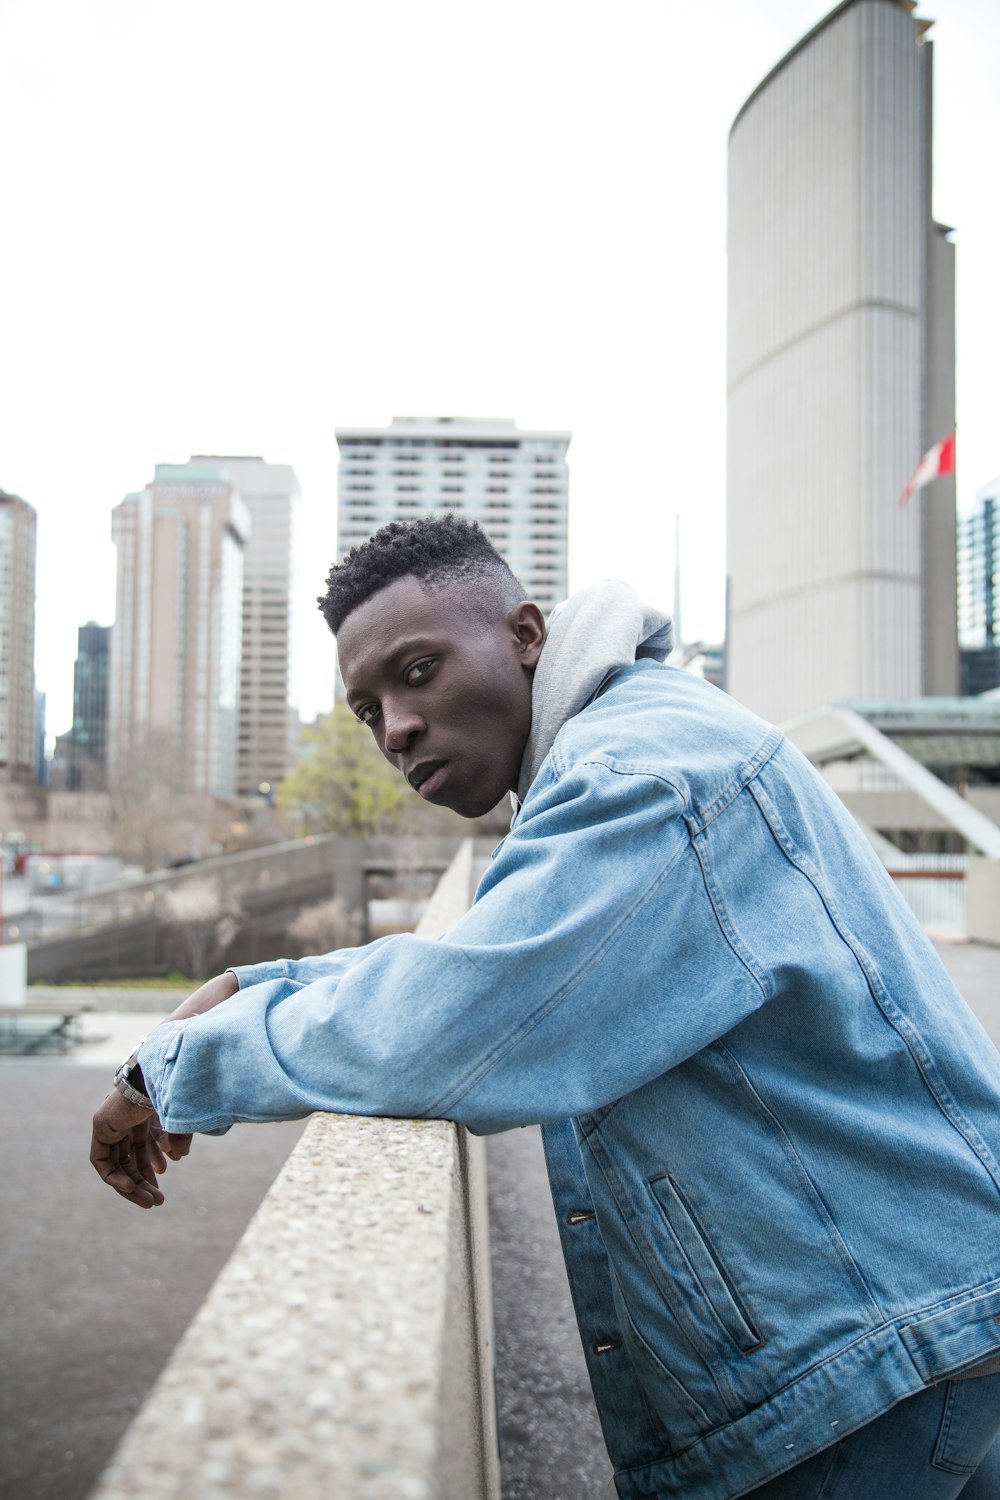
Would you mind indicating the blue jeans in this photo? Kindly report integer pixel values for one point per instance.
(934, 1446)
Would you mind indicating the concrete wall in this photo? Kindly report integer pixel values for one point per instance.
(982, 900)
(116, 932)
(345, 1353)
(900, 808)
(13, 974)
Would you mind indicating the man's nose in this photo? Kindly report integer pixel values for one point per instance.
(402, 726)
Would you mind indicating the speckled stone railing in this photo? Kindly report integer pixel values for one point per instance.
(345, 1352)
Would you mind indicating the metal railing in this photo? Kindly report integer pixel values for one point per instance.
(934, 888)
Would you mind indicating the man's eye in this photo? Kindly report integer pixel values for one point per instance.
(367, 714)
(419, 670)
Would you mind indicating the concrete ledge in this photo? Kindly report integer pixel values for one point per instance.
(345, 1353)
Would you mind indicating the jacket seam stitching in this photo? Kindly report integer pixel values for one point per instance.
(748, 771)
(909, 1036)
(729, 933)
(634, 1331)
(799, 1168)
(450, 1100)
(696, 1340)
(898, 1325)
(620, 768)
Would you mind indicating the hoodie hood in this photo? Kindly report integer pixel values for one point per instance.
(593, 634)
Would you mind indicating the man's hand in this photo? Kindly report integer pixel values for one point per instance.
(125, 1151)
(128, 1145)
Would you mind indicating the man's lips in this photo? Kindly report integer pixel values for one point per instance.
(426, 777)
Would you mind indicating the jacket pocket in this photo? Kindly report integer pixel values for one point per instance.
(684, 1418)
(697, 1267)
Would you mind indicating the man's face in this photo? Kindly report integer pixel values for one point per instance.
(445, 690)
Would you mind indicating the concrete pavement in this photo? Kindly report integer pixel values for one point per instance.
(975, 969)
(93, 1292)
(551, 1446)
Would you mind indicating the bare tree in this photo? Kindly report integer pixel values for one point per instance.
(153, 820)
(204, 918)
(327, 925)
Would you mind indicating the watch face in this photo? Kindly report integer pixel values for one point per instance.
(124, 1074)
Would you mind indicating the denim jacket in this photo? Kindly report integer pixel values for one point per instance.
(771, 1123)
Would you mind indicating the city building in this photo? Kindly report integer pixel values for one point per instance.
(979, 592)
(41, 760)
(18, 746)
(267, 740)
(176, 641)
(841, 374)
(514, 483)
(61, 764)
(86, 750)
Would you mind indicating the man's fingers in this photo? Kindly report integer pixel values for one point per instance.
(114, 1163)
(125, 1152)
(156, 1158)
(119, 1151)
(133, 1161)
(131, 1186)
(167, 1143)
(176, 1146)
(145, 1153)
(149, 1151)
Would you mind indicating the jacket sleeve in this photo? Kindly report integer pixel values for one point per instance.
(568, 984)
(303, 970)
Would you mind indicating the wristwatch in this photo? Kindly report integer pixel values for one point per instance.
(129, 1069)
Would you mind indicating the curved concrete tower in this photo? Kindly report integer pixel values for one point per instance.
(841, 373)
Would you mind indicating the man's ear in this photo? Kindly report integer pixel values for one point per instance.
(528, 626)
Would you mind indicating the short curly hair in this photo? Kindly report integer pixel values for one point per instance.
(435, 549)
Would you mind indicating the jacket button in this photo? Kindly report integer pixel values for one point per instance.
(579, 1216)
(607, 1346)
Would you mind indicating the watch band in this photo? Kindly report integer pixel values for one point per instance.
(128, 1090)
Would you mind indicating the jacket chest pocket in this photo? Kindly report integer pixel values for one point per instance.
(697, 1270)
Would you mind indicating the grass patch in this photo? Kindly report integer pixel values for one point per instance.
(142, 982)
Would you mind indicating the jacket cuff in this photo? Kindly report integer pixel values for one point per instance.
(155, 1053)
(247, 975)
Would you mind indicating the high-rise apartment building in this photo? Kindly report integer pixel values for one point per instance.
(514, 483)
(268, 717)
(18, 526)
(841, 374)
(176, 640)
(979, 592)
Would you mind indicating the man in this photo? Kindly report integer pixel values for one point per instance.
(770, 1122)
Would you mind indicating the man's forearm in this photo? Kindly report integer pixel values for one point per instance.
(210, 994)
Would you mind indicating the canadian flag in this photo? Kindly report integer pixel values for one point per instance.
(936, 461)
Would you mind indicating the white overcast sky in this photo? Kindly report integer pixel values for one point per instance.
(229, 226)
